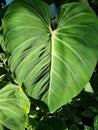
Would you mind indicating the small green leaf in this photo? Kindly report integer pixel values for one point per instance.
(2, 77)
(14, 106)
(88, 128)
(88, 88)
(3, 58)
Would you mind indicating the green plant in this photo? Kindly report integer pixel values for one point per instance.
(51, 59)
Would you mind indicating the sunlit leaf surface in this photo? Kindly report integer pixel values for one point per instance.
(54, 64)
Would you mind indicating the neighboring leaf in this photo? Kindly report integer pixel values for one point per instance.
(88, 88)
(2, 77)
(87, 128)
(54, 64)
(14, 106)
(3, 58)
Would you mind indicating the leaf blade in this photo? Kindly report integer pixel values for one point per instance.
(51, 63)
(13, 107)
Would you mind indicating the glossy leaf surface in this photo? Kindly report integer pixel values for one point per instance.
(54, 64)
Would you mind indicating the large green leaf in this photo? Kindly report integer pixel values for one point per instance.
(53, 64)
(14, 106)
